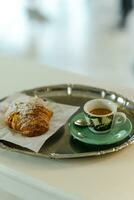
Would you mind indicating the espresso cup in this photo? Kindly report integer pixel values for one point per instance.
(102, 115)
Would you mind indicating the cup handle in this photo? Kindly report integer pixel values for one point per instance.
(120, 118)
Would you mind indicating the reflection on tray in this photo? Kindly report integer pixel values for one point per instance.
(81, 147)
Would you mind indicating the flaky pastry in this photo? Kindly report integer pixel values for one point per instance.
(28, 116)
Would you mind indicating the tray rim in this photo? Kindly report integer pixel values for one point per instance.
(75, 155)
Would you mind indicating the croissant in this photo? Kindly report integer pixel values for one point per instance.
(28, 116)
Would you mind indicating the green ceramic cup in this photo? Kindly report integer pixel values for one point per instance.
(102, 115)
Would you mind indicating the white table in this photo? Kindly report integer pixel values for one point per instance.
(104, 177)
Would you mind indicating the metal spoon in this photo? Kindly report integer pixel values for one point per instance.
(81, 122)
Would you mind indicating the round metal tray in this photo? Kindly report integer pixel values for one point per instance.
(61, 144)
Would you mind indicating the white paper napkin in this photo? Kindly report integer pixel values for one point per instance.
(61, 114)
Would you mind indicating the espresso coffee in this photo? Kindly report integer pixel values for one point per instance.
(100, 111)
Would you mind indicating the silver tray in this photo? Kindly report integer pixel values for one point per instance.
(61, 144)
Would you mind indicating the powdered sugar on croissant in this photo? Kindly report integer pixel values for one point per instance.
(28, 116)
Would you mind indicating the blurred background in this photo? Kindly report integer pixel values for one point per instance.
(90, 37)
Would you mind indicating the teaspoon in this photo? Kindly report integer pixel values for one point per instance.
(81, 122)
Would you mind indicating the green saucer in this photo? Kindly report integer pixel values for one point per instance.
(83, 134)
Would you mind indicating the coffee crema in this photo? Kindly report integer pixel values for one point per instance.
(100, 111)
